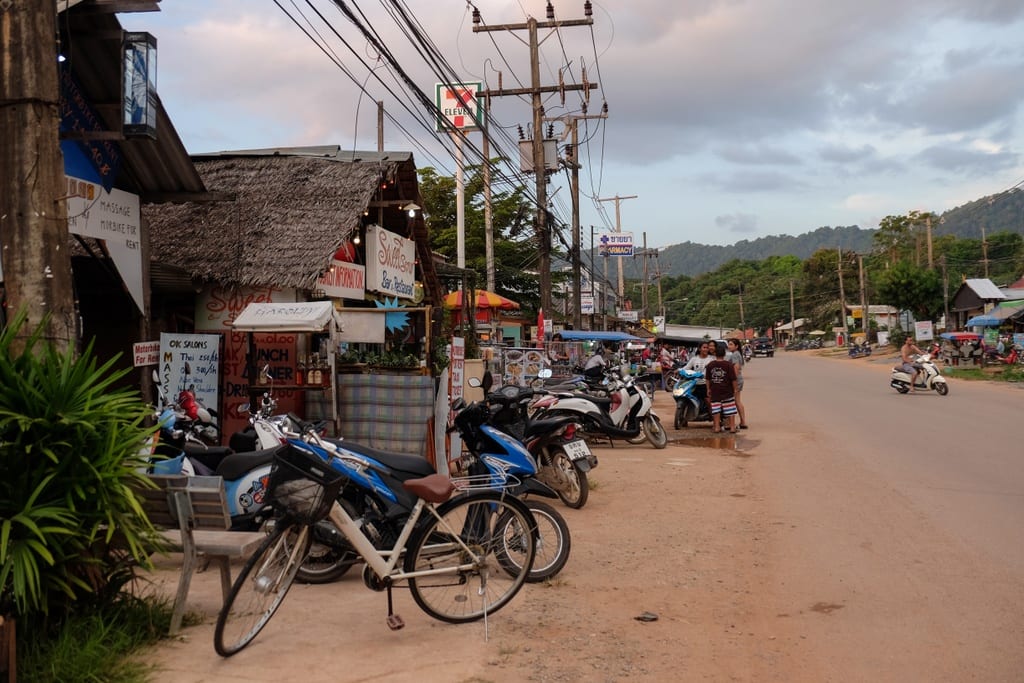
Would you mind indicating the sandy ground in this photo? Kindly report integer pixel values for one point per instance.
(694, 534)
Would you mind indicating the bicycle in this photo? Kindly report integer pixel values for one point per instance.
(463, 557)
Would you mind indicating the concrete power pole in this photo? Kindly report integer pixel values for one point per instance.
(535, 91)
(618, 228)
(34, 254)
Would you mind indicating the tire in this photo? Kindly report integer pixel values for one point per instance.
(942, 388)
(655, 432)
(553, 542)
(579, 485)
(478, 587)
(329, 561)
(680, 421)
(902, 389)
(260, 588)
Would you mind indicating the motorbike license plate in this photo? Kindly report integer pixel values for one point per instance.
(577, 450)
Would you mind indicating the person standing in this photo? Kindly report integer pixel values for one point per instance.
(666, 362)
(721, 380)
(735, 356)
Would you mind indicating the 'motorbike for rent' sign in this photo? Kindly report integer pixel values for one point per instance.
(390, 263)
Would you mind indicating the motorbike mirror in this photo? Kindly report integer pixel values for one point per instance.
(544, 374)
(474, 382)
(243, 408)
(156, 377)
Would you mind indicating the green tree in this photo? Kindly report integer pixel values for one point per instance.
(910, 287)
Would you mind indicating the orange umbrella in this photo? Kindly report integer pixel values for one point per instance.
(484, 299)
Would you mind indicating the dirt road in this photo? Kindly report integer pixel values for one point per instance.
(763, 560)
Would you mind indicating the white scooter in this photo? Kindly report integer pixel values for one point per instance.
(928, 378)
(626, 413)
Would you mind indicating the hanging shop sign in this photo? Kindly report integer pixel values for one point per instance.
(390, 263)
(459, 105)
(343, 281)
(114, 218)
(615, 244)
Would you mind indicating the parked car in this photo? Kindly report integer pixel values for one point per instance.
(763, 346)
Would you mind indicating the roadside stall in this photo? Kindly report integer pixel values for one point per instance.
(311, 370)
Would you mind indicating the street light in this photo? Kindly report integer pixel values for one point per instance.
(412, 209)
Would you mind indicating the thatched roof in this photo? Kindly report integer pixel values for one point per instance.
(292, 209)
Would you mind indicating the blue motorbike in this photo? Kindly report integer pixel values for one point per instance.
(373, 494)
(690, 393)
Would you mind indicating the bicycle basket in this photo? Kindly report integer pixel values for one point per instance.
(302, 485)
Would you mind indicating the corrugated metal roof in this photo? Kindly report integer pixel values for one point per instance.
(985, 289)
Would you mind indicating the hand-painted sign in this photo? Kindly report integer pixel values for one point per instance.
(390, 263)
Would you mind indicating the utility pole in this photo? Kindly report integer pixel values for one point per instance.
(842, 299)
(572, 160)
(34, 254)
(863, 298)
(618, 228)
(984, 250)
(792, 312)
(488, 216)
(657, 266)
(743, 319)
(945, 292)
(535, 90)
(928, 227)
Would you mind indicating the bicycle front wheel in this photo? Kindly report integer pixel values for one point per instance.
(260, 588)
(466, 549)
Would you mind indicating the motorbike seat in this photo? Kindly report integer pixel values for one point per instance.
(401, 463)
(235, 465)
(596, 400)
(546, 425)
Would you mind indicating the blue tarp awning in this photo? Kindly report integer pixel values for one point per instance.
(597, 335)
(996, 316)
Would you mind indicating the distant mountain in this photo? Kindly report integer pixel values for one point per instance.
(1003, 212)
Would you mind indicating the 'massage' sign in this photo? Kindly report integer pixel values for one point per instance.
(390, 263)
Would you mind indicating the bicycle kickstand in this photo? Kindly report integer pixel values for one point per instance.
(395, 622)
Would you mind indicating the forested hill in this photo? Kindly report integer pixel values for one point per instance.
(999, 213)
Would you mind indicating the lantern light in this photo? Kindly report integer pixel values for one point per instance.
(139, 97)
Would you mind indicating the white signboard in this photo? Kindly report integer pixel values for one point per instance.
(615, 243)
(113, 217)
(343, 281)
(587, 305)
(659, 323)
(146, 353)
(923, 330)
(629, 316)
(456, 378)
(390, 263)
(460, 106)
(202, 353)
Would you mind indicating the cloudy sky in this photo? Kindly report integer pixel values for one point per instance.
(729, 119)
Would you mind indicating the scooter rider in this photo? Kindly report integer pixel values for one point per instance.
(907, 352)
(594, 367)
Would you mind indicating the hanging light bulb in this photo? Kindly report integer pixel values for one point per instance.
(551, 11)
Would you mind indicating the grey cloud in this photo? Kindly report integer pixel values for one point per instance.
(967, 161)
(752, 181)
(759, 155)
(743, 223)
(842, 154)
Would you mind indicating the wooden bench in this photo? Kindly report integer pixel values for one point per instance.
(192, 513)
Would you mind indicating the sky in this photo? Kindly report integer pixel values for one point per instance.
(728, 120)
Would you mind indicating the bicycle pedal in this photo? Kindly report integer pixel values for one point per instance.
(395, 622)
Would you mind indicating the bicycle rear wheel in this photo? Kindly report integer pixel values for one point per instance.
(471, 583)
(260, 588)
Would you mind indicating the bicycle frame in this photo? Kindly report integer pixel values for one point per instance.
(383, 562)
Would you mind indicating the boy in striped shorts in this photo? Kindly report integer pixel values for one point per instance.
(720, 376)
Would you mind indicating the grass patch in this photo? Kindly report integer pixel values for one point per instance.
(97, 647)
(991, 374)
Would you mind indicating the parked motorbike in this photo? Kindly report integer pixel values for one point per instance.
(563, 459)
(859, 350)
(374, 496)
(690, 394)
(626, 413)
(246, 475)
(928, 378)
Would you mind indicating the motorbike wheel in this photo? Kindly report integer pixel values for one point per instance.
(902, 389)
(680, 421)
(327, 562)
(654, 432)
(578, 490)
(553, 542)
(942, 388)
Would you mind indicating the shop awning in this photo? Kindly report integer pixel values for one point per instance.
(303, 316)
(997, 315)
(597, 335)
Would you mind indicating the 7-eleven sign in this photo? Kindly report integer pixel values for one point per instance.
(459, 105)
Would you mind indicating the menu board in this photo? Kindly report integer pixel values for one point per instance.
(522, 365)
